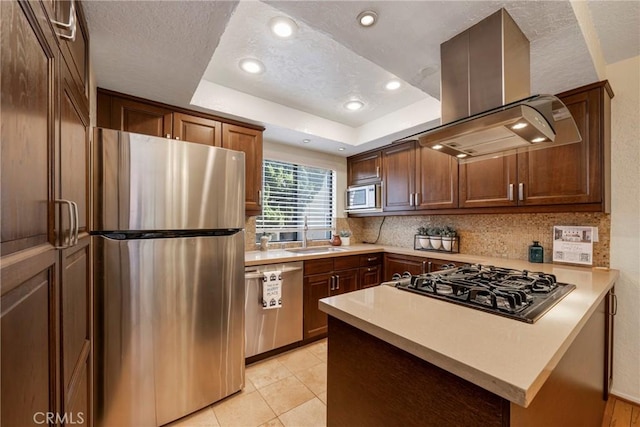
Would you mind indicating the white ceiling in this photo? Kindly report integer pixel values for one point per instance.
(186, 53)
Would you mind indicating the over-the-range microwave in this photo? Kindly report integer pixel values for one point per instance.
(364, 198)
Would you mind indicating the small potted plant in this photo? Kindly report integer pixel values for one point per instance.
(448, 238)
(345, 236)
(435, 237)
(423, 237)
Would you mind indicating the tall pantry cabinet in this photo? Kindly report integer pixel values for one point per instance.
(44, 255)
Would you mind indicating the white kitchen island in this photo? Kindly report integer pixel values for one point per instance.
(551, 372)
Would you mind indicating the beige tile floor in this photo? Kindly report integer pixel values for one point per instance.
(286, 390)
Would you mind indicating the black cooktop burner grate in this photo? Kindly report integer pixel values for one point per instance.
(517, 294)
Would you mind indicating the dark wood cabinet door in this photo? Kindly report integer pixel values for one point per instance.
(197, 129)
(345, 281)
(398, 166)
(403, 263)
(488, 183)
(28, 337)
(436, 179)
(570, 173)
(75, 311)
(76, 51)
(248, 141)
(364, 168)
(439, 264)
(370, 276)
(27, 135)
(73, 153)
(138, 117)
(315, 288)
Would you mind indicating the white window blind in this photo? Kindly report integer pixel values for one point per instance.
(292, 192)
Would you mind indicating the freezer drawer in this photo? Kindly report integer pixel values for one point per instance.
(273, 328)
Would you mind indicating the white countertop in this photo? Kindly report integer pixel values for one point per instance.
(275, 256)
(510, 358)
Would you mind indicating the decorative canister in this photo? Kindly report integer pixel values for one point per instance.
(335, 240)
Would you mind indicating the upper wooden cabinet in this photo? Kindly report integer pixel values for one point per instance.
(248, 141)
(131, 114)
(398, 165)
(573, 174)
(365, 168)
(75, 49)
(436, 180)
(197, 129)
(418, 178)
(138, 117)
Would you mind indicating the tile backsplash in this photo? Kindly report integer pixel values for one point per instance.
(505, 235)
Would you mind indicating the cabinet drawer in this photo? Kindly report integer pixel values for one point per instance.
(318, 266)
(346, 262)
(370, 259)
(370, 276)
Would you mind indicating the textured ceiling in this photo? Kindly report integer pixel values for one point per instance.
(311, 72)
(618, 27)
(161, 49)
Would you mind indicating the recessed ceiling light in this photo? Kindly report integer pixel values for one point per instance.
(520, 125)
(461, 156)
(252, 66)
(341, 149)
(306, 141)
(354, 105)
(437, 147)
(538, 139)
(367, 18)
(392, 85)
(283, 27)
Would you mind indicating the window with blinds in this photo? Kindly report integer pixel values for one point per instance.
(291, 192)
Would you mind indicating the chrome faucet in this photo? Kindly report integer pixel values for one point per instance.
(305, 228)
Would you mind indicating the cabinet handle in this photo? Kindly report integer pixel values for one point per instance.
(168, 135)
(73, 23)
(521, 191)
(72, 223)
(510, 192)
(372, 259)
(76, 222)
(615, 305)
(424, 267)
(178, 138)
(337, 283)
(369, 269)
(416, 199)
(259, 197)
(410, 199)
(377, 171)
(429, 264)
(333, 278)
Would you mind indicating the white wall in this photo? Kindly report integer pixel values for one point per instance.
(287, 153)
(624, 77)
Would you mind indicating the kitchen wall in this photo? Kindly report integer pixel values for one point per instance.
(624, 77)
(507, 236)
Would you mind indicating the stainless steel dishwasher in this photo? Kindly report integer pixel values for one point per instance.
(267, 329)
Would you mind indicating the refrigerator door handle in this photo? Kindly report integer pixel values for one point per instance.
(72, 224)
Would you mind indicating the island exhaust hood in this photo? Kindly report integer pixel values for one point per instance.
(487, 109)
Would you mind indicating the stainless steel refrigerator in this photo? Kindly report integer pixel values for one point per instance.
(168, 244)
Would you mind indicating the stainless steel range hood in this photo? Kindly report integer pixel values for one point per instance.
(485, 99)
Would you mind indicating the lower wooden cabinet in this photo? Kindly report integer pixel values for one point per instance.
(334, 276)
(394, 263)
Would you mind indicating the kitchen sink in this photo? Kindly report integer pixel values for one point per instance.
(316, 250)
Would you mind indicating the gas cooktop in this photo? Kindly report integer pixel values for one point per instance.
(517, 294)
